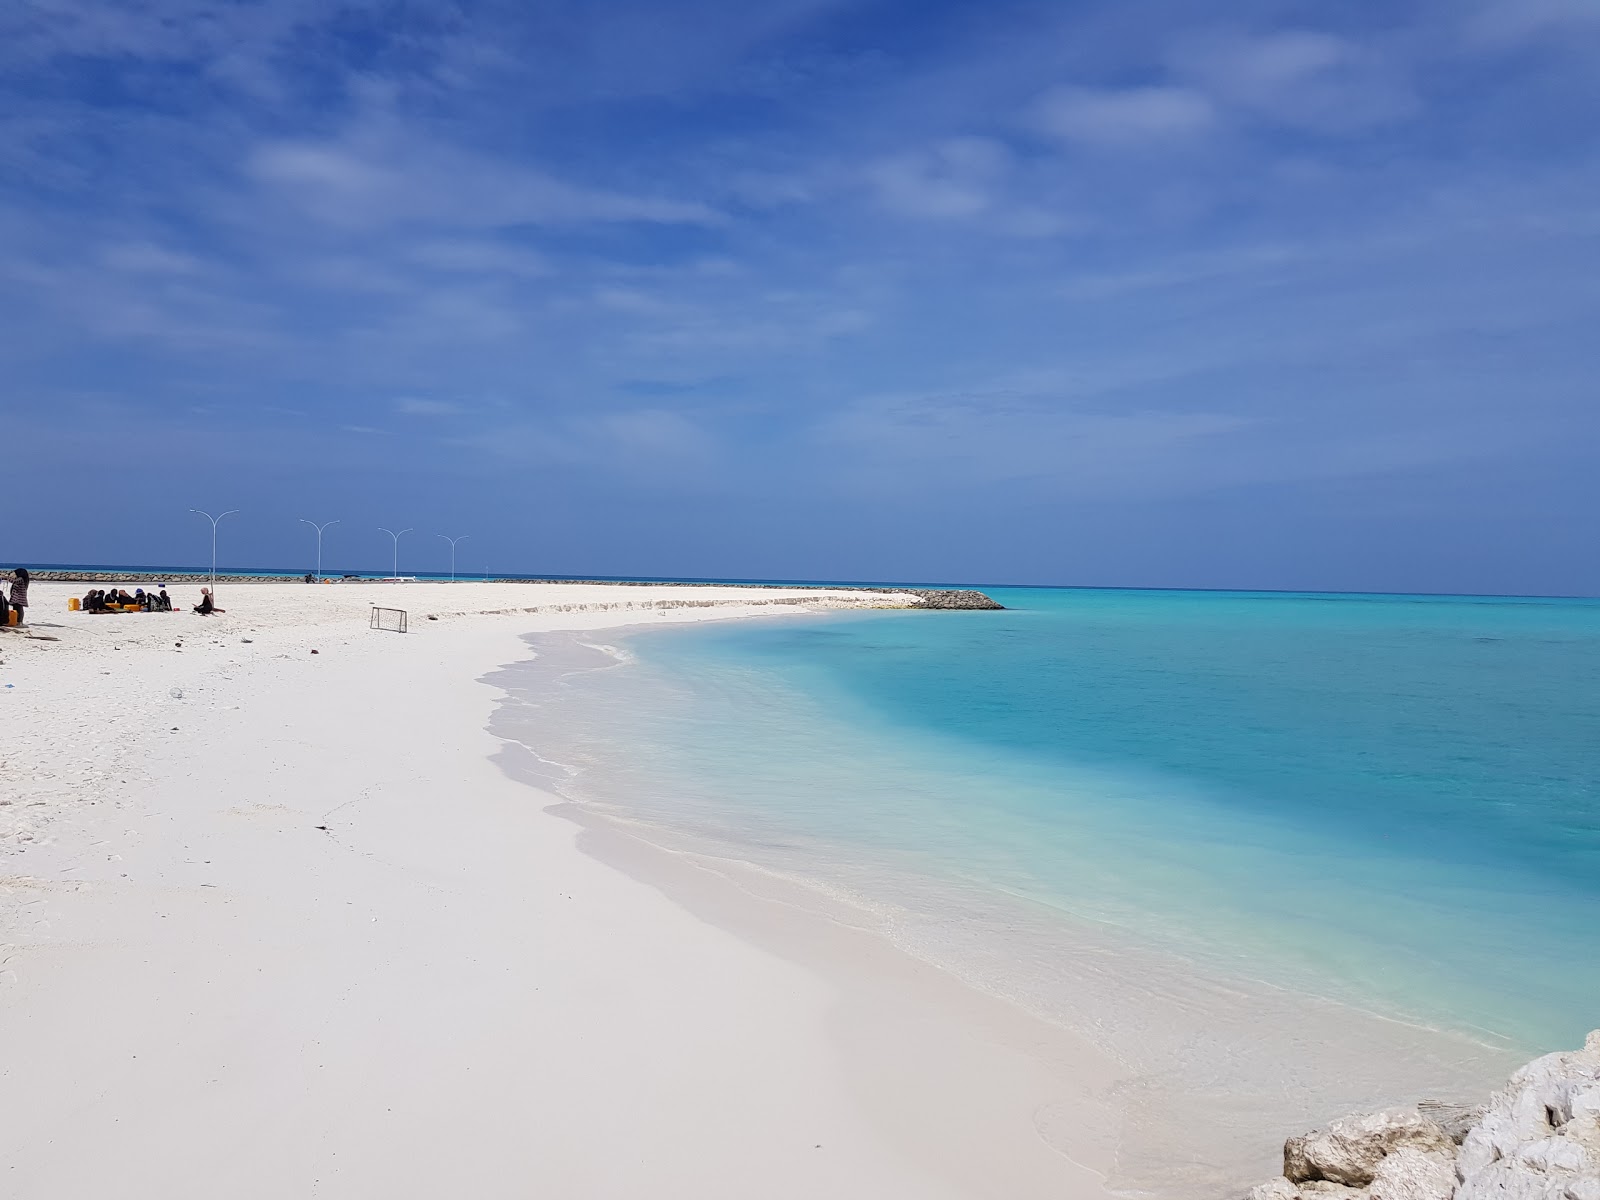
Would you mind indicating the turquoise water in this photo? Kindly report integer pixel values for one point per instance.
(1389, 801)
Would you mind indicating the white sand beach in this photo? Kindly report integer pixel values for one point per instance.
(274, 922)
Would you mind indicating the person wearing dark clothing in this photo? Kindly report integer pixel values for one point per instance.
(206, 606)
(163, 602)
(19, 596)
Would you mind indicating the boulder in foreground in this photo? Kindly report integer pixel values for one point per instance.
(1538, 1138)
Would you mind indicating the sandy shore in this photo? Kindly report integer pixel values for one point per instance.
(283, 923)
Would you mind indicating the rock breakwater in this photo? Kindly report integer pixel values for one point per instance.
(143, 577)
(1538, 1138)
(941, 598)
(964, 598)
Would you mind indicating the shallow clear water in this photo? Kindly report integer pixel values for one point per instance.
(1389, 801)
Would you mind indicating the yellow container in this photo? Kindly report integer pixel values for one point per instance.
(74, 604)
(13, 617)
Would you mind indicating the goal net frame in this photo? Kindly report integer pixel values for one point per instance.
(393, 619)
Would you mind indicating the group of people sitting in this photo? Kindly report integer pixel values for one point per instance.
(101, 600)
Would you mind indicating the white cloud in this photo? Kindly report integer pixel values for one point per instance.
(1262, 68)
(1503, 22)
(1299, 77)
(386, 175)
(417, 406)
(148, 258)
(1125, 116)
(166, 31)
(639, 441)
(956, 178)
(475, 256)
(993, 437)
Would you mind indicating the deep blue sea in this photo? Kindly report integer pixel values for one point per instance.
(1389, 801)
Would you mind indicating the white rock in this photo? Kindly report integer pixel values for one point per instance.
(1540, 1137)
(1553, 1155)
(1509, 1180)
(1477, 1153)
(1537, 1139)
(1315, 1189)
(1279, 1189)
(1585, 1103)
(1409, 1174)
(1349, 1150)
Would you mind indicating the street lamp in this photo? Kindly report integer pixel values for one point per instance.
(396, 537)
(319, 529)
(214, 521)
(453, 541)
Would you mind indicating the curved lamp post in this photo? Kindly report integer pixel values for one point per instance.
(214, 522)
(396, 537)
(453, 541)
(319, 529)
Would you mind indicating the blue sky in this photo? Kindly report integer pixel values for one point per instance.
(1145, 292)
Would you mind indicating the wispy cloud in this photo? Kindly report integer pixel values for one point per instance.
(390, 177)
(419, 406)
(1124, 116)
(958, 177)
(646, 442)
(1300, 77)
(1508, 22)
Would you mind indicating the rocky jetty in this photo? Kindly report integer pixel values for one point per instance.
(945, 598)
(1538, 1138)
(143, 577)
(940, 598)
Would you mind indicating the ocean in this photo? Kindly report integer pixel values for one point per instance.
(1383, 808)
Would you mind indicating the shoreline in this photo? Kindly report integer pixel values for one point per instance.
(1222, 1066)
(321, 888)
(283, 918)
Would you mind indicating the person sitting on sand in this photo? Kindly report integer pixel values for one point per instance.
(206, 607)
(142, 600)
(163, 601)
(19, 596)
(123, 598)
(87, 603)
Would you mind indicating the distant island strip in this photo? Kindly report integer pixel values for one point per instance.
(936, 598)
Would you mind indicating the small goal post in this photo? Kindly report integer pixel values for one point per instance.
(388, 618)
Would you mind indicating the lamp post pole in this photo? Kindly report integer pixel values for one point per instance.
(453, 541)
(319, 529)
(214, 522)
(396, 537)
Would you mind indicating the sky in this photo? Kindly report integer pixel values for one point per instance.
(1137, 292)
